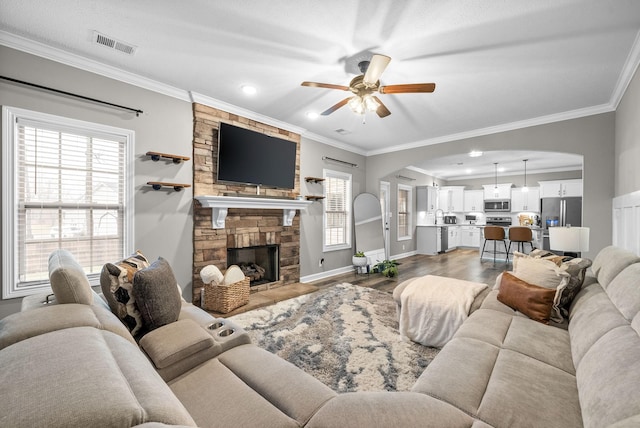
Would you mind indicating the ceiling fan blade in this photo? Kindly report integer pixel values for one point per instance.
(325, 85)
(377, 65)
(335, 107)
(408, 88)
(382, 110)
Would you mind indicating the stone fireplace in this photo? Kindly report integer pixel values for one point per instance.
(217, 230)
(261, 263)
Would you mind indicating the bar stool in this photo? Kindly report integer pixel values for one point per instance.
(494, 233)
(520, 235)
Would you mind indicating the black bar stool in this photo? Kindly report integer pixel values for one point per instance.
(494, 233)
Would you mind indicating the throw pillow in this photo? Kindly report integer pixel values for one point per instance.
(157, 296)
(116, 281)
(577, 268)
(68, 280)
(531, 300)
(543, 273)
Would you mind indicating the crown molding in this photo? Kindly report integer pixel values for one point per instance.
(333, 143)
(542, 120)
(626, 75)
(54, 54)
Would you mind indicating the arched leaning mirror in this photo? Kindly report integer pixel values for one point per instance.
(367, 220)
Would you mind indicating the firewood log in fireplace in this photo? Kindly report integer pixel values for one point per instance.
(253, 271)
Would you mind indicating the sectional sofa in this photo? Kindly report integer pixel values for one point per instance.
(77, 365)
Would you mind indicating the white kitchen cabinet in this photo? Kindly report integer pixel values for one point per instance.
(560, 188)
(451, 198)
(501, 191)
(473, 201)
(454, 237)
(469, 236)
(426, 198)
(525, 201)
(429, 240)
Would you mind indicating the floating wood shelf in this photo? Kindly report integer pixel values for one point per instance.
(157, 185)
(314, 198)
(313, 179)
(155, 156)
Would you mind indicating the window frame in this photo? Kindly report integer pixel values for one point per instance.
(409, 190)
(327, 173)
(11, 288)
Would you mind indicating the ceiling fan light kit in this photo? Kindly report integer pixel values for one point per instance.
(364, 85)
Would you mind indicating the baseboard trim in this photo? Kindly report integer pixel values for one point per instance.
(345, 269)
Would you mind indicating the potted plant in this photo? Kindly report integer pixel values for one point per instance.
(388, 268)
(359, 259)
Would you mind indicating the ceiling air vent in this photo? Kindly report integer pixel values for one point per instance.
(112, 43)
(342, 131)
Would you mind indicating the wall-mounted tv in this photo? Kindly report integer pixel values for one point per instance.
(249, 157)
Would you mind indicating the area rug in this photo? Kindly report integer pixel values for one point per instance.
(346, 336)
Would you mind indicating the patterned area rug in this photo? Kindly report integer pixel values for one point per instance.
(345, 336)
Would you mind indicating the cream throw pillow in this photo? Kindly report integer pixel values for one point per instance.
(544, 273)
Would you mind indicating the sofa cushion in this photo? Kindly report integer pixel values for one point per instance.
(624, 291)
(79, 377)
(610, 261)
(534, 301)
(68, 280)
(116, 281)
(156, 294)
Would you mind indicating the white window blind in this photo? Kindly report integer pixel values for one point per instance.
(404, 212)
(337, 210)
(70, 190)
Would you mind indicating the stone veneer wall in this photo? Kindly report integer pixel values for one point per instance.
(243, 227)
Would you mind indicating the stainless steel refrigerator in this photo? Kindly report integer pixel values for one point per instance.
(559, 212)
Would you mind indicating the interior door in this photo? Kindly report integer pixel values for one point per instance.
(385, 205)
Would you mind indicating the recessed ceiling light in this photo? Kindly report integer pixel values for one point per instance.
(468, 170)
(501, 169)
(312, 115)
(475, 153)
(248, 89)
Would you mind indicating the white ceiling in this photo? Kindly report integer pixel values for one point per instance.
(497, 64)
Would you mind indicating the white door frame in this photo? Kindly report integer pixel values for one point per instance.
(385, 206)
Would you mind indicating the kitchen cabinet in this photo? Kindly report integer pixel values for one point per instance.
(429, 240)
(451, 198)
(454, 237)
(473, 201)
(560, 188)
(469, 236)
(525, 201)
(426, 198)
(501, 191)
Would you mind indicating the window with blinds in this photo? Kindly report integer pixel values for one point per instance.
(404, 212)
(70, 189)
(337, 210)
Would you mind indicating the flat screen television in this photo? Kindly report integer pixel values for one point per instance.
(249, 157)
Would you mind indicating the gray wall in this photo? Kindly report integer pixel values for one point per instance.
(627, 177)
(163, 221)
(516, 180)
(312, 165)
(592, 137)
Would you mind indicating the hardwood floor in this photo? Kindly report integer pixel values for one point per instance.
(460, 263)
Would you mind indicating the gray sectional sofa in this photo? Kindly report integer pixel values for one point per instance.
(76, 365)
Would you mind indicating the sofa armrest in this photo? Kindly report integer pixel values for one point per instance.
(174, 342)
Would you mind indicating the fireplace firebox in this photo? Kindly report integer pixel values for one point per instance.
(261, 263)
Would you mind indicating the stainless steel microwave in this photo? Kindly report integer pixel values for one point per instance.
(497, 205)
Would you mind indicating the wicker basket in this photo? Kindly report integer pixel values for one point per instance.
(225, 298)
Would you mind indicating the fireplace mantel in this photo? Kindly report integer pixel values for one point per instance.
(220, 204)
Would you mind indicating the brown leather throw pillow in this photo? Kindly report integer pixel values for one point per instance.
(532, 300)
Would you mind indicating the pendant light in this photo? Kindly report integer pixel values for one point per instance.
(525, 188)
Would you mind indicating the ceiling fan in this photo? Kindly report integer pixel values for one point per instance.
(366, 84)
